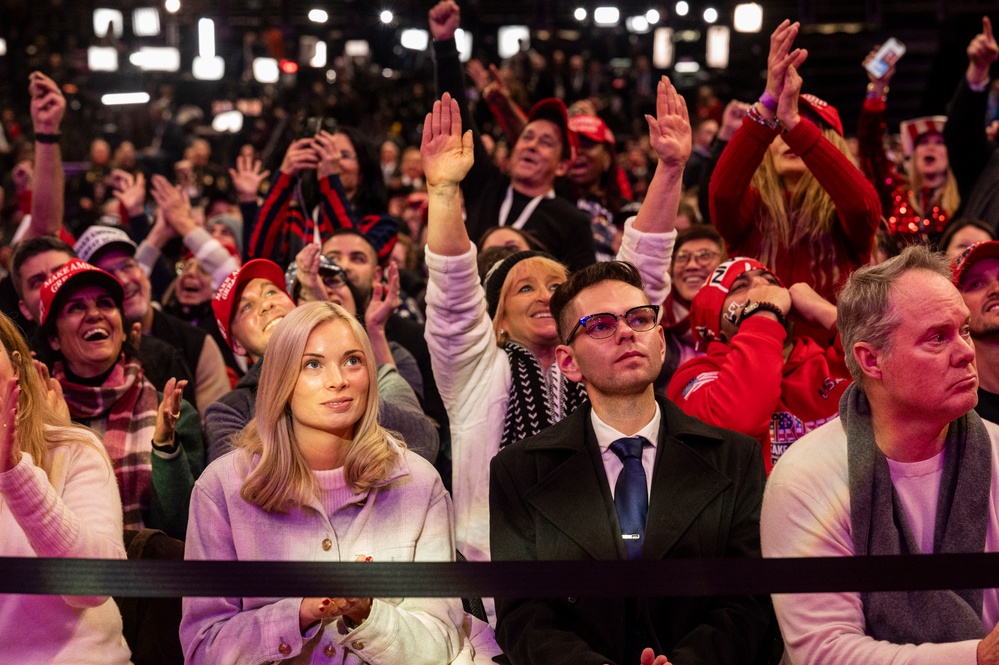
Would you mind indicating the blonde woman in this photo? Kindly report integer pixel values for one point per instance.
(315, 478)
(785, 192)
(58, 498)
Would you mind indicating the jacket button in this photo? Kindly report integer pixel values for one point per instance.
(357, 645)
(284, 649)
(571, 599)
(329, 650)
(327, 544)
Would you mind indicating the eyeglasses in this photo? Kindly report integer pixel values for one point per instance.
(183, 266)
(125, 266)
(702, 257)
(603, 325)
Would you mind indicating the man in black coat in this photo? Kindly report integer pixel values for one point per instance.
(552, 496)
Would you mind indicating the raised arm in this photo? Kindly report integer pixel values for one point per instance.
(47, 108)
(447, 157)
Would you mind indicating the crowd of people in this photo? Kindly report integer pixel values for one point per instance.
(734, 337)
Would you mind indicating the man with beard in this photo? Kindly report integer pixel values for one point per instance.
(976, 276)
(524, 200)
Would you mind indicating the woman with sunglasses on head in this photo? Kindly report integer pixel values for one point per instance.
(58, 498)
(785, 190)
(493, 344)
(315, 478)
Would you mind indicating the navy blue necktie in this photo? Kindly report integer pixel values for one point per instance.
(631, 494)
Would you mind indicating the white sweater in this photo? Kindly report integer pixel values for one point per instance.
(78, 515)
(806, 513)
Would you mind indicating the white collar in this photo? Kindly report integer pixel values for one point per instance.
(607, 435)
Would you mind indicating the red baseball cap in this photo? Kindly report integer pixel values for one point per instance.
(553, 110)
(823, 110)
(76, 273)
(706, 308)
(988, 249)
(231, 288)
(592, 128)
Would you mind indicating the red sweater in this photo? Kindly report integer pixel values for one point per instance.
(746, 386)
(736, 206)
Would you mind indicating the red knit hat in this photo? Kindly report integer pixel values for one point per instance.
(706, 308)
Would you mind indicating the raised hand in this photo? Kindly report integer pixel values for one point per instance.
(307, 265)
(167, 415)
(10, 454)
(384, 300)
(886, 78)
(669, 131)
(445, 18)
(300, 156)
(326, 151)
(246, 177)
(55, 402)
(47, 103)
(781, 56)
(982, 52)
(787, 104)
(649, 657)
(732, 117)
(447, 153)
(174, 203)
(130, 191)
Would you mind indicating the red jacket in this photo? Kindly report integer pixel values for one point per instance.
(736, 206)
(746, 386)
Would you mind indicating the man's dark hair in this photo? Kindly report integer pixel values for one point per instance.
(619, 271)
(33, 247)
(698, 232)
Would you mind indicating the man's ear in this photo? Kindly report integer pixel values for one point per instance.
(238, 348)
(565, 357)
(869, 359)
(54, 343)
(563, 167)
(28, 314)
(662, 341)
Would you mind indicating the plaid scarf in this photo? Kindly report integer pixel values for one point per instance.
(538, 399)
(128, 402)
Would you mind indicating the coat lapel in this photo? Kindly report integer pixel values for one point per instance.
(683, 484)
(574, 495)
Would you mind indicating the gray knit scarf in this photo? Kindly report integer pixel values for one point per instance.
(880, 526)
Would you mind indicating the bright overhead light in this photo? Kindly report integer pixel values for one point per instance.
(717, 47)
(662, 48)
(463, 39)
(230, 122)
(510, 37)
(3, 46)
(606, 15)
(386, 16)
(102, 59)
(318, 58)
(318, 15)
(156, 59)
(108, 18)
(686, 67)
(415, 39)
(682, 8)
(637, 24)
(208, 69)
(118, 98)
(652, 16)
(710, 15)
(266, 70)
(356, 48)
(206, 38)
(172, 6)
(748, 17)
(146, 22)
(579, 14)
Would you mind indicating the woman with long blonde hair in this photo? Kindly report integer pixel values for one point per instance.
(785, 190)
(58, 498)
(315, 478)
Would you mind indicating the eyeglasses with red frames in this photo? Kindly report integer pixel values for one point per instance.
(601, 326)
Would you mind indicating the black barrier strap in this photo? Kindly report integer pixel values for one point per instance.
(524, 579)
